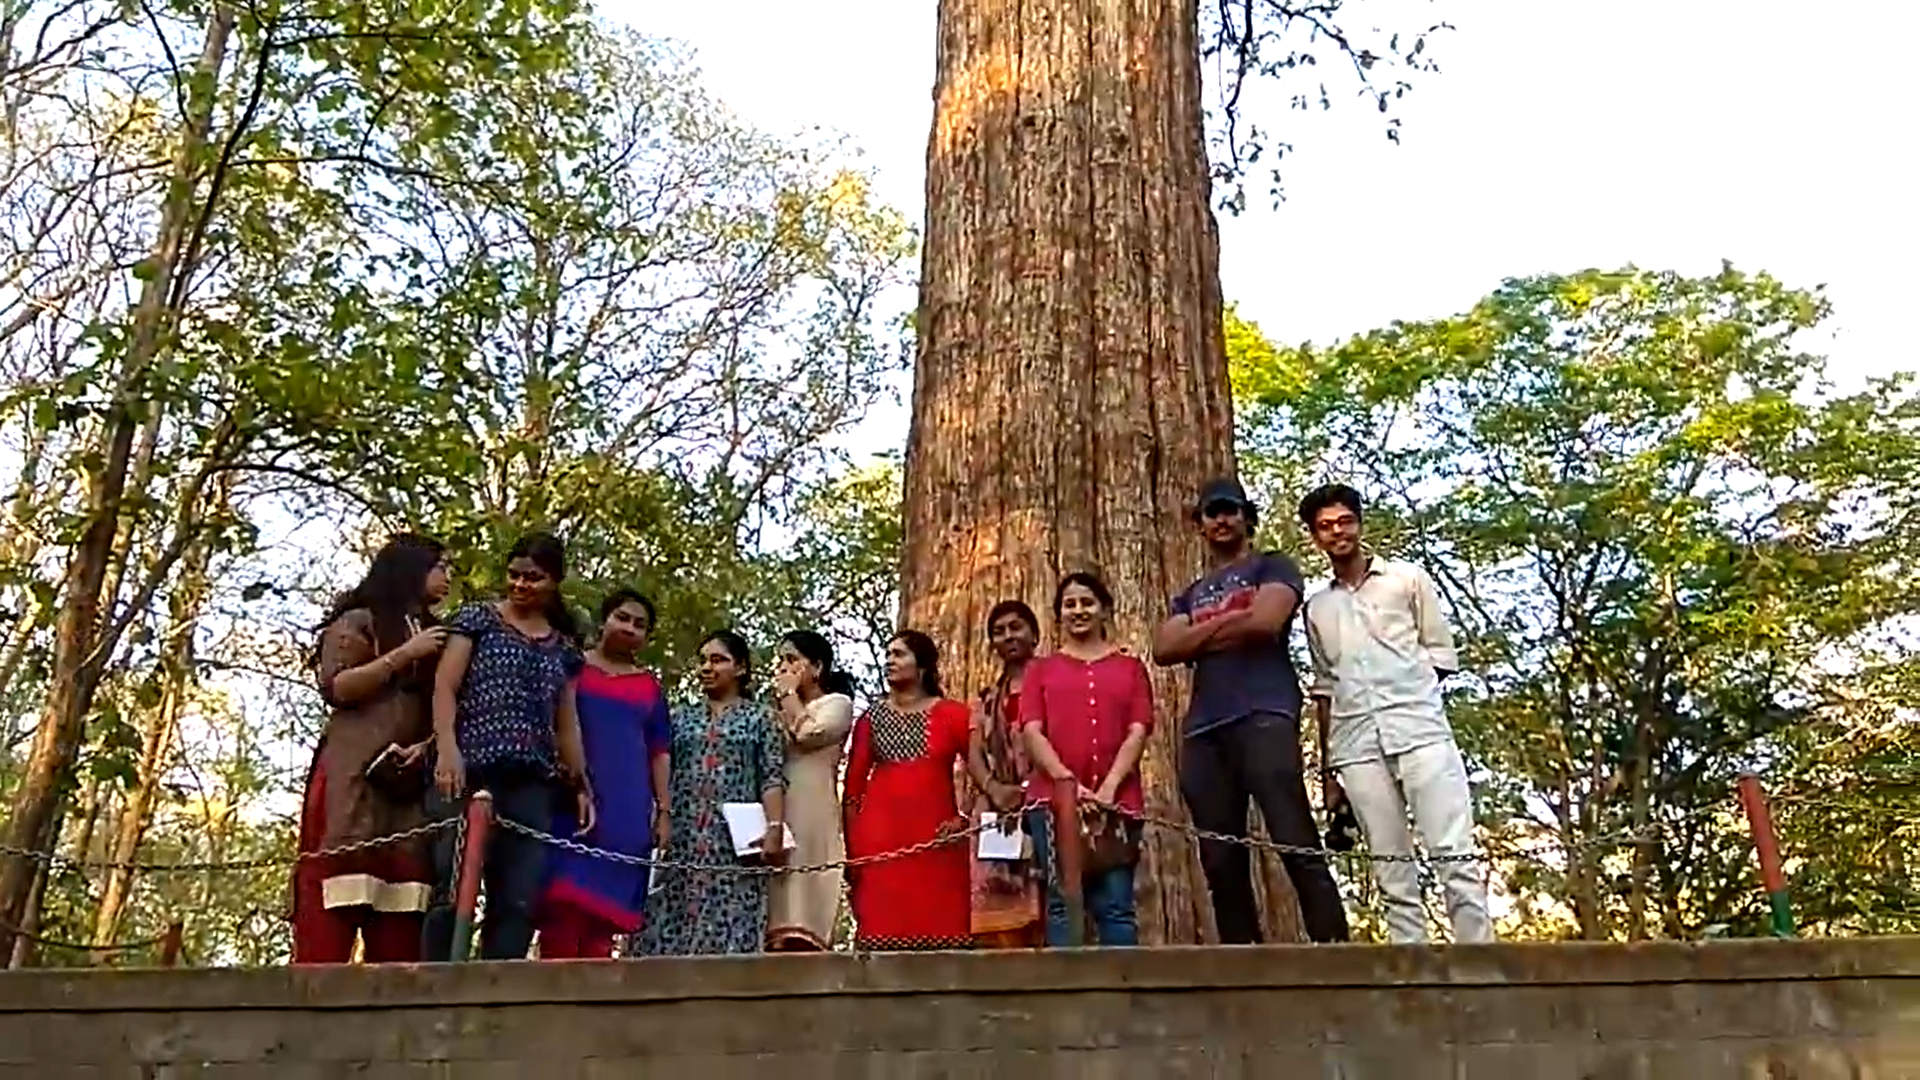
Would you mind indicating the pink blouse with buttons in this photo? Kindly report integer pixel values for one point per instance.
(1085, 710)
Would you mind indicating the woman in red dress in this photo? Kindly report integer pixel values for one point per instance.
(899, 792)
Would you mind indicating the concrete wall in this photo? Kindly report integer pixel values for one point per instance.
(1774, 1010)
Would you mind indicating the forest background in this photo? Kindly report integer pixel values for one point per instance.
(297, 276)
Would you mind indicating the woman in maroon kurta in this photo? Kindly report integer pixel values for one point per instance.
(899, 793)
(374, 665)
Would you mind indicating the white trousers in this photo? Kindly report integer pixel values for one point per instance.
(1432, 781)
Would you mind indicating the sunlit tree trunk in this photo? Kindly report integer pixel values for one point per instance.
(157, 735)
(77, 653)
(1071, 385)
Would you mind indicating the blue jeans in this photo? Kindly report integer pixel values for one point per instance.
(1108, 895)
(513, 875)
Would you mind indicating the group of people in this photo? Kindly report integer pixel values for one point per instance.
(573, 738)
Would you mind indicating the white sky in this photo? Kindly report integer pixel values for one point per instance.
(1558, 136)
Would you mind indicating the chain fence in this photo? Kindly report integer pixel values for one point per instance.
(1555, 852)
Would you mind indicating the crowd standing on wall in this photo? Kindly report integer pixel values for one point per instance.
(575, 739)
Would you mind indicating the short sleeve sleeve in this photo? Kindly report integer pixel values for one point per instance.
(1033, 695)
(1140, 696)
(572, 660)
(1182, 602)
(657, 726)
(1277, 569)
(773, 750)
(472, 621)
(955, 724)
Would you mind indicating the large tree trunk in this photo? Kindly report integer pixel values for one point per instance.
(1071, 386)
(78, 652)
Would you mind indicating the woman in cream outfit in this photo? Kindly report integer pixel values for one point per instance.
(814, 704)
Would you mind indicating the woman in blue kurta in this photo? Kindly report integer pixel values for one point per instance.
(505, 721)
(623, 722)
(726, 749)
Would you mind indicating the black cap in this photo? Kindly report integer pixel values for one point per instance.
(1222, 489)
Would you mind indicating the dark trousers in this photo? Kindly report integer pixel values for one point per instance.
(1259, 758)
(515, 870)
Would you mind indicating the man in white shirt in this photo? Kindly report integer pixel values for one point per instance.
(1380, 647)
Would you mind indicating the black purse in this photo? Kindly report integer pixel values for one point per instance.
(397, 780)
(1343, 828)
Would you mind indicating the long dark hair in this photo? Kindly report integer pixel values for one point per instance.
(817, 648)
(925, 654)
(393, 590)
(546, 551)
(741, 652)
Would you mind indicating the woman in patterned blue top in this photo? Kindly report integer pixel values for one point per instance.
(504, 720)
(726, 749)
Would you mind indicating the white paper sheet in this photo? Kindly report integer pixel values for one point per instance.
(997, 845)
(747, 824)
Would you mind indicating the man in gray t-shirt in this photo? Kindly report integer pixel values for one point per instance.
(1256, 675)
(1243, 722)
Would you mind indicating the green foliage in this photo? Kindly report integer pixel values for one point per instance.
(1675, 553)
(843, 568)
(645, 325)
(469, 269)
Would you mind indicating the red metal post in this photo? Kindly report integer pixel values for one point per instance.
(1773, 877)
(1069, 861)
(473, 854)
(171, 944)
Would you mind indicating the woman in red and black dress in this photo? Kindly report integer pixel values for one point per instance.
(374, 666)
(899, 792)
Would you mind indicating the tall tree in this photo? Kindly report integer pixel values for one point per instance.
(655, 320)
(1675, 552)
(540, 280)
(1070, 392)
(171, 385)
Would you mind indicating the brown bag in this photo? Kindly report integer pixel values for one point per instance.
(1109, 839)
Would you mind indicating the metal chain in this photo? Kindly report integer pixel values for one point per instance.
(53, 859)
(1194, 832)
(75, 946)
(457, 823)
(745, 869)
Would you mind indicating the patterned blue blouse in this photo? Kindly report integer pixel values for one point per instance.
(505, 711)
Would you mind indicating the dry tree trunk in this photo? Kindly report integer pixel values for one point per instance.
(1071, 387)
(78, 656)
(158, 733)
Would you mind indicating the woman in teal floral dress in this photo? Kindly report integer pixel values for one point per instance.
(726, 748)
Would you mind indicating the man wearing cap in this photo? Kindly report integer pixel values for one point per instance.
(1242, 734)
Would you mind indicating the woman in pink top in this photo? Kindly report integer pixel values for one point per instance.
(1085, 711)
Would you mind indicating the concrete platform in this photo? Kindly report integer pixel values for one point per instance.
(1798, 1010)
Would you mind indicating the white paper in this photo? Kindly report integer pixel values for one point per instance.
(998, 845)
(747, 823)
(654, 876)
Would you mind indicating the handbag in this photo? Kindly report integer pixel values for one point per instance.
(396, 780)
(1109, 839)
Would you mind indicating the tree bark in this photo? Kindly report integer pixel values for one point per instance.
(76, 663)
(157, 736)
(1071, 388)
